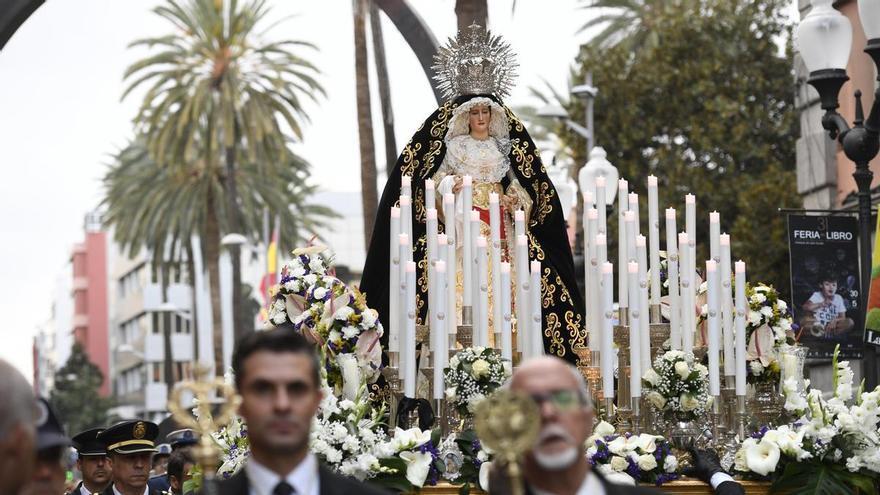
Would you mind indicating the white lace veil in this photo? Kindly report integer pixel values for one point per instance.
(458, 124)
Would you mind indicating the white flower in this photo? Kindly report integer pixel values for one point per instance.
(485, 470)
(647, 443)
(603, 429)
(310, 279)
(333, 456)
(343, 313)
(651, 377)
(478, 350)
(417, 466)
(453, 361)
(647, 462)
(351, 443)
(450, 393)
(688, 402)
(756, 367)
(482, 456)
(657, 400)
(334, 336)
(350, 332)
(473, 400)
(767, 311)
(618, 464)
(673, 355)
(319, 293)
(617, 446)
(702, 370)
(346, 404)
(682, 369)
(762, 457)
(351, 375)
(409, 439)
(297, 271)
(620, 479)
(316, 264)
(368, 318)
(479, 368)
(754, 317)
(781, 305)
(670, 464)
(758, 298)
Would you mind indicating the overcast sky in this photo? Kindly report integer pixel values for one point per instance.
(60, 116)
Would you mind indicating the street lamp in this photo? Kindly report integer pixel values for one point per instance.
(599, 166)
(824, 40)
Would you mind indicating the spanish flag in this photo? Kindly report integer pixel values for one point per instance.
(271, 276)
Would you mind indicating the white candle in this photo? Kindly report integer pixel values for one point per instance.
(406, 221)
(519, 222)
(408, 352)
(632, 231)
(404, 250)
(654, 240)
(635, 359)
(690, 203)
(430, 201)
(439, 339)
(475, 274)
(622, 247)
(521, 303)
(634, 208)
(431, 235)
(394, 283)
(504, 298)
(591, 274)
(451, 282)
(741, 311)
(483, 271)
(726, 306)
(714, 236)
(495, 258)
(537, 331)
(672, 280)
(601, 204)
(406, 185)
(714, 328)
(644, 323)
(449, 218)
(688, 324)
(467, 245)
(607, 352)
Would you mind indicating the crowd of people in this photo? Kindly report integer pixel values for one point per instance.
(277, 374)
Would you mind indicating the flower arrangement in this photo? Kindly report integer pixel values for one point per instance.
(768, 327)
(833, 446)
(473, 374)
(331, 315)
(677, 386)
(466, 462)
(628, 458)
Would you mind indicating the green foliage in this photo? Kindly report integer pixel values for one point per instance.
(816, 478)
(630, 24)
(75, 397)
(709, 110)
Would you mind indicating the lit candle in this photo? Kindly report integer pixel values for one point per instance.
(408, 352)
(430, 201)
(654, 240)
(635, 359)
(506, 341)
(740, 324)
(466, 248)
(406, 221)
(607, 352)
(688, 324)
(601, 204)
(672, 280)
(439, 339)
(495, 258)
(537, 333)
(521, 304)
(714, 236)
(714, 330)
(644, 323)
(726, 306)
(394, 283)
(622, 246)
(591, 276)
(483, 294)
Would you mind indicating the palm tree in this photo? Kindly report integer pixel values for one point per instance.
(369, 194)
(162, 208)
(216, 87)
(630, 22)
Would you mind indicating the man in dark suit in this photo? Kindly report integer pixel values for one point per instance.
(277, 376)
(92, 462)
(557, 464)
(130, 446)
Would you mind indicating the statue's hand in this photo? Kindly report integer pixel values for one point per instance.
(510, 202)
(458, 184)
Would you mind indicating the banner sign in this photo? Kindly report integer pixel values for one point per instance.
(825, 284)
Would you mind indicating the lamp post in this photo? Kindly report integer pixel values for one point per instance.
(824, 40)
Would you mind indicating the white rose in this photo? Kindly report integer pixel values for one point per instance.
(450, 393)
(688, 402)
(762, 457)
(603, 429)
(651, 377)
(479, 368)
(656, 400)
(618, 464)
(647, 462)
(670, 464)
(682, 370)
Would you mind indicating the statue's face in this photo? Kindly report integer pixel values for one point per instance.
(478, 119)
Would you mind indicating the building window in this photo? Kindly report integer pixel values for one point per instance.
(157, 327)
(157, 373)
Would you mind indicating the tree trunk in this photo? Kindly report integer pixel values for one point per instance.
(384, 88)
(471, 11)
(233, 218)
(369, 195)
(211, 247)
(193, 321)
(167, 316)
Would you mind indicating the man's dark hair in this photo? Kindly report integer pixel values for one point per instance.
(177, 463)
(282, 338)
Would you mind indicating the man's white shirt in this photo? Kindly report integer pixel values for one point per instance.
(590, 486)
(117, 492)
(83, 490)
(304, 478)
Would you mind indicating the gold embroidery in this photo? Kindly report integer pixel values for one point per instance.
(577, 334)
(554, 335)
(522, 158)
(536, 252)
(548, 290)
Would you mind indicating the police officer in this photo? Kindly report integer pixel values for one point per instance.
(130, 446)
(179, 440)
(92, 462)
(50, 472)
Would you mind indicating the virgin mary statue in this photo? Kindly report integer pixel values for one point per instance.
(473, 133)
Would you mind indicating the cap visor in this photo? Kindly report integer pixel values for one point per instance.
(134, 449)
(48, 440)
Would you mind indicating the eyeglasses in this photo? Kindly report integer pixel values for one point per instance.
(562, 400)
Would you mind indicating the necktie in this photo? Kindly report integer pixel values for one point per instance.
(283, 488)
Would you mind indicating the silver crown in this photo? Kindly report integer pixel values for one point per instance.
(476, 62)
